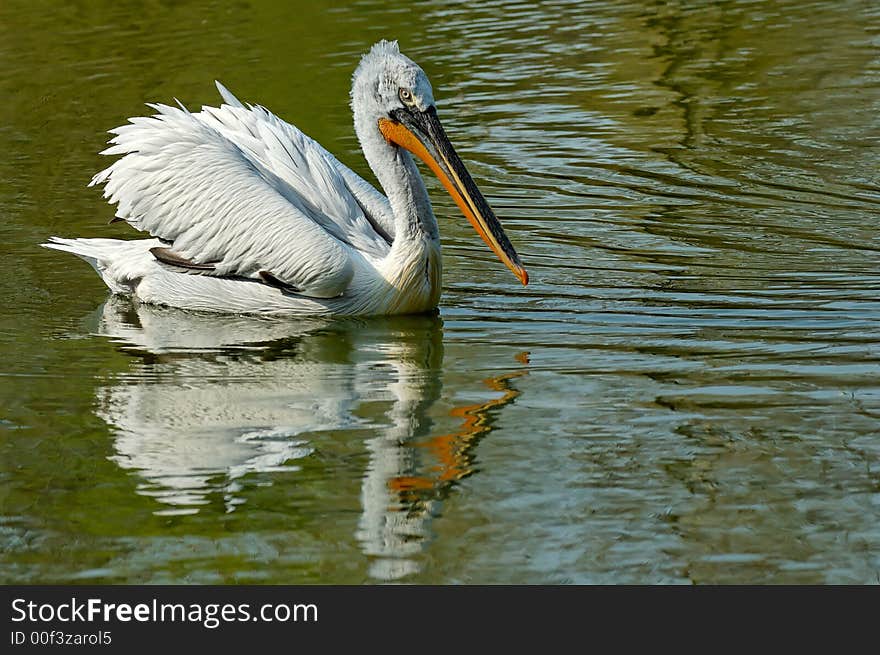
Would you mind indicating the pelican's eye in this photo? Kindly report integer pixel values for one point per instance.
(406, 96)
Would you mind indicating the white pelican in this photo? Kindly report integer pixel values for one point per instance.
(249, 215)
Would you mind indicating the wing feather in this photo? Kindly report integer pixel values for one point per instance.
(339, 196)
(184, 181)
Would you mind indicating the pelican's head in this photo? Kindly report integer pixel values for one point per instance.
(394, 90)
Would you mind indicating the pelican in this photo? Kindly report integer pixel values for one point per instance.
(248, 215)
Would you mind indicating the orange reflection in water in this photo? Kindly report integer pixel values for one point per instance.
(453, 452)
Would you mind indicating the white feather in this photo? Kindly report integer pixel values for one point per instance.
(183, 181)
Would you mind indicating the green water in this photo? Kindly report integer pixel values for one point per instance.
(687, 391)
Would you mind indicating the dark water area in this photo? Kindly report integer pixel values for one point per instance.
(688, 391)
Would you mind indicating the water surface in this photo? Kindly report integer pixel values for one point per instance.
(687, 391)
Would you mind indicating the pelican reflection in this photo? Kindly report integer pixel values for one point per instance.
(210, 400)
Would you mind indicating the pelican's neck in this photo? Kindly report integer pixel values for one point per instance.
(400, 179)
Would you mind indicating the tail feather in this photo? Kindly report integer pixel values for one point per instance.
(119, 263)
(83, 248)
(94, 251)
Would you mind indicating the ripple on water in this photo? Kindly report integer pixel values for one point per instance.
(687, 391)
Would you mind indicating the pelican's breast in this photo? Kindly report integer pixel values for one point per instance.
(414, 275)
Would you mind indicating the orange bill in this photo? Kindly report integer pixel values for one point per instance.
(421, 134)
